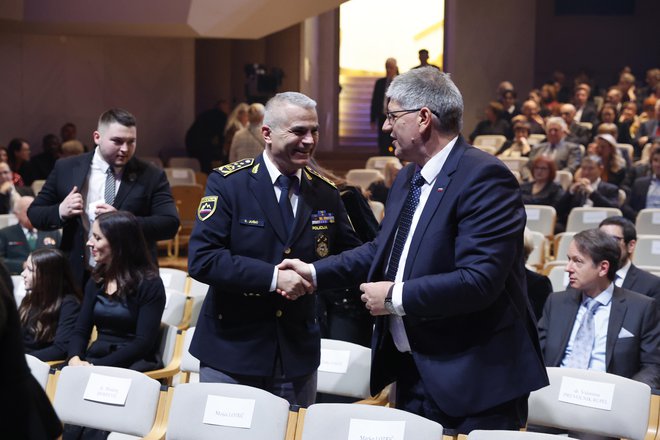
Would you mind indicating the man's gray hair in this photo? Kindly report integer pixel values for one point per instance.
(428, 87)
(556, 120)
(273, 114)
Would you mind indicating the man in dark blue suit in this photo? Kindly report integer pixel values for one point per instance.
(256, 212)
(445, 275)
(379, 104)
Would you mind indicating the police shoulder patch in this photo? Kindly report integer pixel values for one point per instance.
(207, 207)
(226, 170)
(316, 173)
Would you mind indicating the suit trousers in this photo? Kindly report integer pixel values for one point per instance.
(411, 396)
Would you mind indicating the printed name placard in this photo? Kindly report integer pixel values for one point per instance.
(533, 214)
(334, 361)
(361, 429)
(586, 393)
(179, 174)
(107, 389)
(488, 142)
(228, 411)
(655, 219)
(655, 247)
(593, 216)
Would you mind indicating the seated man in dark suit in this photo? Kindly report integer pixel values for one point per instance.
(566, 155)
(589, 190)
(646, 190)
(596, 325)
(630, 276)
(9, 194)
(576, 132)
(17, 241)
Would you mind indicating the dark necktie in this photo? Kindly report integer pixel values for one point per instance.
(286, 183)
(584, 339)
(405, 221)
(32, 239)
(109, 194)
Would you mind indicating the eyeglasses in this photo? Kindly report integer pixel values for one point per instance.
(392, 118)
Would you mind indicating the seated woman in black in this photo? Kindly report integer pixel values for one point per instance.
(49, 311)
(542, 190)
(124, 299)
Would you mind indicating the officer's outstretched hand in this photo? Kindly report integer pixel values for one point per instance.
(291, 285)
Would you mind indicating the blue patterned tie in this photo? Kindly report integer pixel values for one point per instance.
(584, 339)
(286, 183)
(405, 221)
(109, 192)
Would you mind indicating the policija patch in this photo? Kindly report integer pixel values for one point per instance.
(207, 207)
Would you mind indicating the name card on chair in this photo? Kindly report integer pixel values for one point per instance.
(334, 361)
(179, 174)
(361, 429)
(533, 213)
(106, 389)
(655, 218)
(588, 393)
(228, 411)
(593, 216)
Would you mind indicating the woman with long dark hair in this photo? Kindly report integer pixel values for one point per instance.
(49, 311)
(124, 299)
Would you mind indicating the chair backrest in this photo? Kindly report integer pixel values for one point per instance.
(558, 278)
(479, 434)
(541, 218)
(564, 179)
(647, 251)
(19, 288)
(77, 386)
(378, 209)
(175, 305)
(622, 197)
(37, 185)
(582, 218)
(197, 288)
(7, 220)
(490, 140)
(173, 278)
(246, 413)
(180, 176)
(187, 199)
(563, 241)
(39, 369)
(345, 369)
(379, 162)
(197, 292)
(645, 157)
(587, 125)
(334, 421)
(627, 148)
(184, 162)
(363, 177)
(189, 363)
(593, 402)
(167, 342)
(537, 256)
(535, 138)
(154, 160)
(515, 163)
(648, 221)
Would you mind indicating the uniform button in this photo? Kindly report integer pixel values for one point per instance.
(219, 316)
(278, 313)
(287, 251)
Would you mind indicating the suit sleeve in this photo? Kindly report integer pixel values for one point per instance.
(44, 212)
(162, 223)
(649, 355)
(608, 197)
(67, 321)
(574, 158)
(542, 326)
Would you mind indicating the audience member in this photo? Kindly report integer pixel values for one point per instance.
(380, 189)
(588, 190)
(107, 179)
(611, 329)
(249, 142)
(531, 112)
(424, 60)
(652, 80)
(237, 120)
(630, 276)
(44, 162)
(585, 109)
(72, 148)
(241, 233)
(18, 157)
(494, 122)
(627, 123)
(379, 107)
(17, 241)
(124, 299)
(205, 138)
(538, 285)
(542, 190)
(649, 131)
(519, 146)
(4, 156)
(626, 85)
(549, 103)
(614, 97)
(566, 155)
(9, 193)
(446, 311)
(577, 134)
(510, 104)
(562, 90)
(645, 191)
(51, 305)
(614, 163)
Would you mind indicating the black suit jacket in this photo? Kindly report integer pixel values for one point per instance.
(637, 200)
(14, 247)
(643, 282)
(636, 357)
(605, 196)
(144, 191)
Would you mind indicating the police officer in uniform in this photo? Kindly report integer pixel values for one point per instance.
(255, 213)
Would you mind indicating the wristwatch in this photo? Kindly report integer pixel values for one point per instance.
(388, 302)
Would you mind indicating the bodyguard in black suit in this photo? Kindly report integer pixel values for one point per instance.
(80, 188)
(247, 333)
(624, 335)
(377, 113)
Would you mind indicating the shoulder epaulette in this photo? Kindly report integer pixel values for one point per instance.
(226, 170)
(309, 171)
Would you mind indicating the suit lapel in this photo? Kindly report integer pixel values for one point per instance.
(566, 320)
(631, 277)
(128, 180)
(80, 170)
(262, 189)
(617, 313)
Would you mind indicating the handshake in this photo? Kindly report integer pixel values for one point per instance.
(294, 280)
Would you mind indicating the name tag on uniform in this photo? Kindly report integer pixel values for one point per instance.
(322, 218)
(252, 222)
